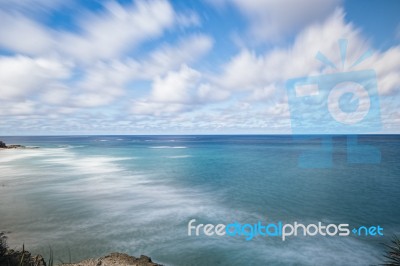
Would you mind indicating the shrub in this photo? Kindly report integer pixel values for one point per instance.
(392, 252)
(3, 244)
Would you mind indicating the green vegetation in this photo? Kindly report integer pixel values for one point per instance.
(3, 244)
(10, 257)
(392, 252)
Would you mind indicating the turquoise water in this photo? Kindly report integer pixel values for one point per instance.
(94, 195)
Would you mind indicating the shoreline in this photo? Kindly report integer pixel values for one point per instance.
(13, 257)
(3, 146)
(116, 259)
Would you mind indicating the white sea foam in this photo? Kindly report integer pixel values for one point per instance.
(168, 147)
(10, 155)
(178, 156)
(151, 206)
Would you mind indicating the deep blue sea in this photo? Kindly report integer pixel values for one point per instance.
(88, 196)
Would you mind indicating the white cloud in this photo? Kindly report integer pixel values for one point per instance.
(103, 83)
(40, 82)
(271, 20)
(264, 75)
(109, 34)
(103, 76)
(101, 43)
(93, 99)
(178, 91)
(23, 35)
(249, 71)
(175, 87)
(171, 93)
(168, 57)
(26, 107)
(263, 94)
(55, 95)
(149, 108)
(21, 75)
(188, 19)
(387, 67)
(102, 35)
(208, 93)
(243, 72)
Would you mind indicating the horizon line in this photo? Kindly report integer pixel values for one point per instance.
(205, 134)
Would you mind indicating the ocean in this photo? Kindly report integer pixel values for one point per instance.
(87, 196)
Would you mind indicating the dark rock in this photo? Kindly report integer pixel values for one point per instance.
(12, 146)
(2, 145)
(15, 146)
(116, 259)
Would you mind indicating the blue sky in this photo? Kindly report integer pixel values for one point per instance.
(189, 67)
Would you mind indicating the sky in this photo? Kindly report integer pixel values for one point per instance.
(198, 67)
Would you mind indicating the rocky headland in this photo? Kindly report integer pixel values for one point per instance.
(13, 146)
(10, 257)
(116, 259)
(25, 258)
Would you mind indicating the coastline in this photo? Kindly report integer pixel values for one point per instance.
(116, 259)
(3, 146)
(12, 257)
